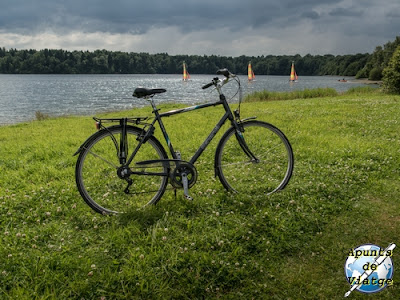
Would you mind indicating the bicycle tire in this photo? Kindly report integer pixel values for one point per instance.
(96, 172)
(270, 146)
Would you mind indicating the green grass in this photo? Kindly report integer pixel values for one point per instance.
(363, 90)
(307, 94)
(299, 94)
(291, 245)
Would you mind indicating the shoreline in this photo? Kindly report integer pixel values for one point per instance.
(365, 81)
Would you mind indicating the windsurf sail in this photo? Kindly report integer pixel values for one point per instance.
(250, 72)
(293, 74)
(186, 75)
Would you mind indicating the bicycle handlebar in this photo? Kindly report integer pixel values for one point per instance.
(224, 72)
(213, 82)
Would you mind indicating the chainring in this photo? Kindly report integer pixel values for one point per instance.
(175, 175)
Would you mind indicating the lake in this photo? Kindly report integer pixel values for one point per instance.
(22, 95)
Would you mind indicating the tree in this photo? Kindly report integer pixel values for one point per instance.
(391, 74)
(375, 74)
(378, 60)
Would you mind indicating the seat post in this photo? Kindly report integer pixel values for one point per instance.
(154, 107)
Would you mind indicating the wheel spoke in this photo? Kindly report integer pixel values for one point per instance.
(103, 159)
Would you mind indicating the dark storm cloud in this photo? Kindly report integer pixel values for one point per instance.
(310, 15)
(164, 25)
(139, 16)
(111, 16)
(342, 12)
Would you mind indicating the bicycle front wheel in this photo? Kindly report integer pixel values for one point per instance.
(97, 178)
(272, 167)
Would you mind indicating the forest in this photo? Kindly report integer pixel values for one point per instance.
(58, 61)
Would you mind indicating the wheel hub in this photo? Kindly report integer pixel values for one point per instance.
(123, 172)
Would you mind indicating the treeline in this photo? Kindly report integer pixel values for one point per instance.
(50, 61)
(379, 60)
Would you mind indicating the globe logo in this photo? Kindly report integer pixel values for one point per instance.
(369, 268)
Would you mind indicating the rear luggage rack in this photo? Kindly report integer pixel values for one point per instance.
(133, 120)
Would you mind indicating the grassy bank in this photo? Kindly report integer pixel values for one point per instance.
(306, 94)
(292, 245)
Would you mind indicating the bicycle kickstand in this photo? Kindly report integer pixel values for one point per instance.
(186, 187)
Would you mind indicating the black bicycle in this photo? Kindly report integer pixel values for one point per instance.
(124, 165)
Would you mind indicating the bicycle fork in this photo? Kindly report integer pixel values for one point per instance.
(242, 142)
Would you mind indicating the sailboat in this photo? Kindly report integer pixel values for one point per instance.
(293, 74)
(186, 75)
(250, 73)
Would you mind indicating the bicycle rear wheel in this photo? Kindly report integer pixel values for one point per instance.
(96, 172)
(270, 172)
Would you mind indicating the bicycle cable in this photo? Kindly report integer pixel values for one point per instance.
(239, 91)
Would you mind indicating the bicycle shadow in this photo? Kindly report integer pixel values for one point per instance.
(148, 216)
(144, 217)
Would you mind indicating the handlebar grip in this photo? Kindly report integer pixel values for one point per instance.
(207, 85)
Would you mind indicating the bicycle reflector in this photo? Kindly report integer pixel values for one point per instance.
(98, 125)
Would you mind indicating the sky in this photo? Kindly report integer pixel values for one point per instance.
(201, 27)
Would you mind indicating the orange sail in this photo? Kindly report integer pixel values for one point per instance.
(186, 75)
(250, 73)
(293, 75)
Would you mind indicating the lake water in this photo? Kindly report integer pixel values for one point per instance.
(22, 95)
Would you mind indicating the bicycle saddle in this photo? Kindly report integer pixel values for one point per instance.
(143, 92)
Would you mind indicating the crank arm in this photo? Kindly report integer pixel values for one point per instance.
(186, 186)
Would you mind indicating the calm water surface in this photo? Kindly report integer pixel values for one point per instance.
(22, 95)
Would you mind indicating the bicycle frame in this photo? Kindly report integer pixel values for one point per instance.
(158, 118)
(228, 115)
